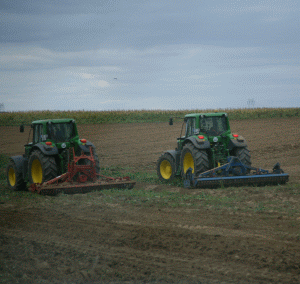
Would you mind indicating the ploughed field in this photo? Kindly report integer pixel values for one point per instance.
(156, 232)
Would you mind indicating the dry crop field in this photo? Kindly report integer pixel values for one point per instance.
(157, 233)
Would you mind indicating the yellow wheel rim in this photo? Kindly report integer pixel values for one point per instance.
(12, 177)
(36, 171)
(188, 162)
(165, 169)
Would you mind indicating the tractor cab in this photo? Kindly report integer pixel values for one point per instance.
(210, 127)
(212, 124)
(51, 134)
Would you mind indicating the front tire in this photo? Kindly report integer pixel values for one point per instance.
(14, 177)
(41, 168)
(191, 157)
(166, 169)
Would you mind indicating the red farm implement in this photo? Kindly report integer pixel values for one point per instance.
(81, 177)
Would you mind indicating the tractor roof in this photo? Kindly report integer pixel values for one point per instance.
(63, 120)
(206, 114)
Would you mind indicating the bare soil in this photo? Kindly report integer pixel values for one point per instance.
(81, 239)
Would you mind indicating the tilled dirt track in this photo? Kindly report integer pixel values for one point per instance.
(74, 240)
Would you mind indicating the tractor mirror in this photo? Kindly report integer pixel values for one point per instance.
(22, 128)
(171, 121)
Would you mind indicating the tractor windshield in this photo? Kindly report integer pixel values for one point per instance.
(61, 132)
(213, 125)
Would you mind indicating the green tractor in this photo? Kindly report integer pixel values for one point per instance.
(207, 144)
(48, 155)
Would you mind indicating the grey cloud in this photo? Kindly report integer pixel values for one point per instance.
(64, 26)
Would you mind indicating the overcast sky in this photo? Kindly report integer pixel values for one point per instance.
(108, 55)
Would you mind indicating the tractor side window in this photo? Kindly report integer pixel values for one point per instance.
(190, 127)
(37, 133)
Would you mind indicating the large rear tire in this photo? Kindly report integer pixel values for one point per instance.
(166, 168)
(14, 177)
(191, 157)
(41, 168)
(244, 155)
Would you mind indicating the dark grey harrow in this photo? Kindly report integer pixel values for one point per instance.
(235, 173)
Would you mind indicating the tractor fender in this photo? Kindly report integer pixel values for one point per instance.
(201, 146)
(176, 156)
(86, 148)
(46, 150)
(21, 164)
(233, 143)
